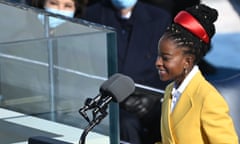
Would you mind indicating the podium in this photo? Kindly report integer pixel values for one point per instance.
(45, 140)
(48, 72)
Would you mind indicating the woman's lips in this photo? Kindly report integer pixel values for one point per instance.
(162, 72)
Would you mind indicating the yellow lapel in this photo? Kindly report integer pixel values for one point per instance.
(185, 102)
(183, 106)
(165, 120)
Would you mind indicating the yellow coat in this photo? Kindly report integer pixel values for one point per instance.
(201, 116)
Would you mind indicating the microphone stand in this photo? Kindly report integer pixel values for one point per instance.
(99, 113)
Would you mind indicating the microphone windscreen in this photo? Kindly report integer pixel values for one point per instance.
(118, 86)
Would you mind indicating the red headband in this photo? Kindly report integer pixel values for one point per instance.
(186, 20)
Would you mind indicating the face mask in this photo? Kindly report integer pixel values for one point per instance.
(121, 4)
(54, 22)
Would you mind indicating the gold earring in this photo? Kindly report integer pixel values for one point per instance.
(185, 71)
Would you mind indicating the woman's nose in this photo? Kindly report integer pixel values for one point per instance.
(158, 62)
(60, 7)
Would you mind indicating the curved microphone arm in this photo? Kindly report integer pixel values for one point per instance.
(99, 112)
(118, 87)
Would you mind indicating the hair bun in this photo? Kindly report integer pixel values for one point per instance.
(206, 17)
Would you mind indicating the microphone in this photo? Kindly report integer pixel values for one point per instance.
(117, 88)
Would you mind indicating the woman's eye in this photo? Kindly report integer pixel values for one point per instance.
(68, 6)
(53, 3)
(165, 58)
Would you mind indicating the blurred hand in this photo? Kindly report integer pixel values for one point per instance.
(140, 104)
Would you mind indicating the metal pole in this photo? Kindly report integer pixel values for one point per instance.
(49, 35)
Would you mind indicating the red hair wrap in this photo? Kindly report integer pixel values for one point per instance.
(187, 21)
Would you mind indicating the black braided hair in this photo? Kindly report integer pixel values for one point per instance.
(185, 39)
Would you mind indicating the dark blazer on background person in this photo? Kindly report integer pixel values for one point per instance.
(137, 57)
(137, 45)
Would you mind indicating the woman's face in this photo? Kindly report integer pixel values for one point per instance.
(171, 61)
(64, 5)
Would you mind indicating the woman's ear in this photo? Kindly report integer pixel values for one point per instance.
(189, 61)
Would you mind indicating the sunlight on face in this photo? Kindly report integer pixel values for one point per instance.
(171, 61)
(65, 5)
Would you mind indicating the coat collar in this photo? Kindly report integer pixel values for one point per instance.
(165, 119)
(171, 120)
(185, 103)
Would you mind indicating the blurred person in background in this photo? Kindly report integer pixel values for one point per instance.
(69, 8)
(164, 4)
(138, 27)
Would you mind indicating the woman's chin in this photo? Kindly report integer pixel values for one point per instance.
(163, 78)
